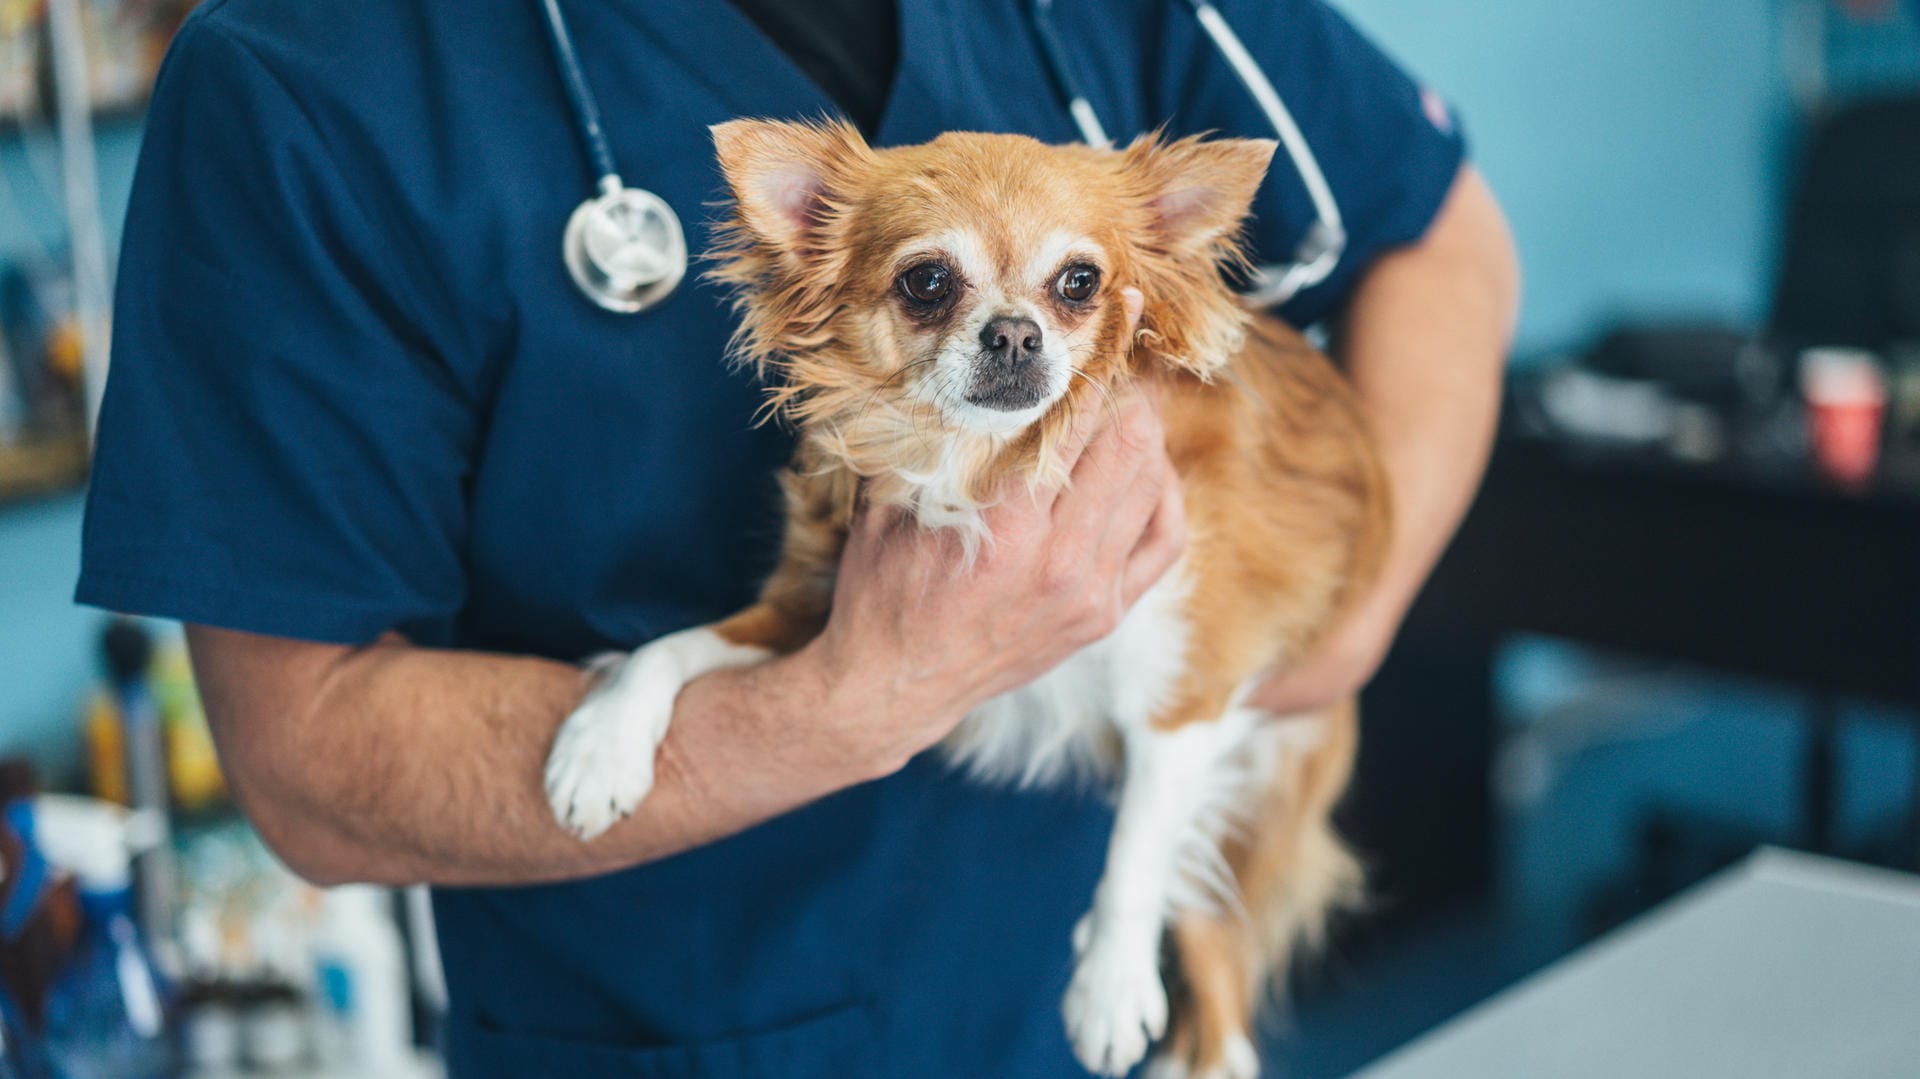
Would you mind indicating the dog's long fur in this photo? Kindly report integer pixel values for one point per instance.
(1287, 511)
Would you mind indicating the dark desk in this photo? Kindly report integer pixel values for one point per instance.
(1775, 575)
(1764, 572)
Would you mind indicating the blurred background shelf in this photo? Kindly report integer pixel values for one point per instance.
(129, 113)
(42, 467)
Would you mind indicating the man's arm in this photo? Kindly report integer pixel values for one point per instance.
(1425, 340)
(399, 764)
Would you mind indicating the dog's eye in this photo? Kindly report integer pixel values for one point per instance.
(927, 283)
(1078, 282)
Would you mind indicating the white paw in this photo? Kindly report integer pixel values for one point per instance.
(1083, 935)
(601, 764)
(1116, 1005)
(1166, 1066)
(1242, 1060)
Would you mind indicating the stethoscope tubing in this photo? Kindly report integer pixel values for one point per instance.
(586, 108)
(1320, 250)
(1316, 258)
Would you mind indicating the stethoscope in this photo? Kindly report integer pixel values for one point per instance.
(623, 245)
(625, 250)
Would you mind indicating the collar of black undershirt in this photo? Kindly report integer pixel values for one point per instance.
(849, 48)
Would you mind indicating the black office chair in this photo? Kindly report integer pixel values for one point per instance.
(1850, 268)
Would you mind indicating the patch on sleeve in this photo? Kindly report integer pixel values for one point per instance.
(1436, 109)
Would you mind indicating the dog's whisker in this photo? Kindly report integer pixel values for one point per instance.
(891, 379)
(1106, 395)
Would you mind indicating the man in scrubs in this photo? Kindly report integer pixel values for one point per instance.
(398, 476)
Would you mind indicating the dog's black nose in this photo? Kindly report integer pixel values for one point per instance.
(1012, 342)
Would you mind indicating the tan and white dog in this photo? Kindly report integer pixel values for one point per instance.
(929, 318)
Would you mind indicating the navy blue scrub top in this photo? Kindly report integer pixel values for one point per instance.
(354, 390)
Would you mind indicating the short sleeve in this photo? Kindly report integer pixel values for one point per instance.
(282, 446)
(1389, 147)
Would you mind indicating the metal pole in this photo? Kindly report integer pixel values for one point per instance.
(92, 281)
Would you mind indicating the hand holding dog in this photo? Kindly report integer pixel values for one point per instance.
(920, 636)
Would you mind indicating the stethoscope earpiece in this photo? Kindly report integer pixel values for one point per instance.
(625, 249)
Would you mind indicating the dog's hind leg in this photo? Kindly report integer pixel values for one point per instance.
(1162, 858)
(1291, 871)
(1209, 1036)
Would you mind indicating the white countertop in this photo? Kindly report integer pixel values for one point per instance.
(1788, 966)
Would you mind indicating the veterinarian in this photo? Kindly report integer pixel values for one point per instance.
(367, 438)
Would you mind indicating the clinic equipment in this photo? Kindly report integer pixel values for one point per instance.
(624, 247)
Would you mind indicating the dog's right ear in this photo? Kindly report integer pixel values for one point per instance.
(783, 176)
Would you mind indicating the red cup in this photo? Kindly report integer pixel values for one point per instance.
(1846, 397)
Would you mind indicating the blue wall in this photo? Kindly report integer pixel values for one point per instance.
(46, 643)
(1636, 143)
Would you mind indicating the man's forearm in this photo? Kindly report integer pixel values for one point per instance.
(1424, 341)
(417, 765)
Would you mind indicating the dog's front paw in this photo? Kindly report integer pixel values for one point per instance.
(1116, 1004)
(601, 764)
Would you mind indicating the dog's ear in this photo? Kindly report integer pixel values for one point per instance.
(783, 175)
(1197, 191)
(1195, 194)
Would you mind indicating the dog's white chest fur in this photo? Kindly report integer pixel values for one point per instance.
(1069, 724)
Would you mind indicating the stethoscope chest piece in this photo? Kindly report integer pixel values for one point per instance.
(625, 249)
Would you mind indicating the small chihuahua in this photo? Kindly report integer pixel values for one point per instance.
(929, 318)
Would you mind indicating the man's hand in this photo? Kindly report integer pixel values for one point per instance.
(920, 634)
(920, 637)
(1342, 665)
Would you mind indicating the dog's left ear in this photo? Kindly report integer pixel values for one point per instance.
(1195, 194)
(783, 175)
(1198, 191)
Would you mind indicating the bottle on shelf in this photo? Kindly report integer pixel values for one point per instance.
(106, 1011)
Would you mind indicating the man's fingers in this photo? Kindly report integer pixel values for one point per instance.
(871, 524)
(872, 520)
(1111, 468)
(1159, 547)
(1089, 423)
(1100, 409)
(1132, 431)
(1126, 519)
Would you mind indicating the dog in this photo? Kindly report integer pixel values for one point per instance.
(865, 279)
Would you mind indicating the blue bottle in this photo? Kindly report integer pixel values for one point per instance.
(38, 930)
(17, 1053)
(106, 1013)
(105, 1016)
